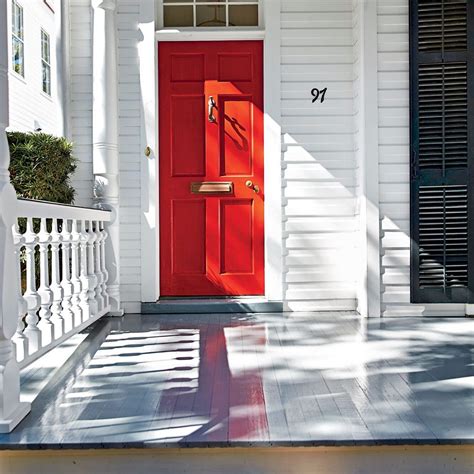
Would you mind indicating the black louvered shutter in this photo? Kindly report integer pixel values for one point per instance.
(442, 141)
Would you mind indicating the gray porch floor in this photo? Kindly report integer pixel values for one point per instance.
(263, 379)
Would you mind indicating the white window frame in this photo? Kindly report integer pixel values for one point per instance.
(16, 6)
(150, 219)
(46, 64)
(160, 21)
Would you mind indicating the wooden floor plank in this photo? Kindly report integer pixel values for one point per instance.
(262, 379)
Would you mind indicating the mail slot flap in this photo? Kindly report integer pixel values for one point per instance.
(212, 187)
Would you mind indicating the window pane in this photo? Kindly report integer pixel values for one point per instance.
(210, 15)
(178, 16)
(18, 57)
(14, 19)
(177, 1)
(20, 22)
(17, 20)
(45, 47)
(46, 79)
(243, 15)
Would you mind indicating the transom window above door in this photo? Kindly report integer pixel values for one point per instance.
(210, 13)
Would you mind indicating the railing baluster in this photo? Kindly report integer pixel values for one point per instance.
(90, 270)
(86, 313)
(98, 271)
(103, 266)
(44, 291)
(76, 282)
(19, 338)
(31, 295)
(56, 288)
(66, 284)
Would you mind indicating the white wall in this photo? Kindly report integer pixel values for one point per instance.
(320, 245)
(129, 131)
(320, 181)
(80, 89)
(30, 108)
(130, 153)
(394, 169)
(319, 160)
(360, 275)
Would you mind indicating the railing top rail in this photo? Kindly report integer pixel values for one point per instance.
(46, 209)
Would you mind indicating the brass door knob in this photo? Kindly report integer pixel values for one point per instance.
(250, 185)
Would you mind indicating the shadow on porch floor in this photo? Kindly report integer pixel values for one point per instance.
(260, 379)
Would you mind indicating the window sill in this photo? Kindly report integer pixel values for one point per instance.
(17, 76)
(46, 96)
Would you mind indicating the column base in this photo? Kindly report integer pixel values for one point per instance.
(7, 425)
(116, 314)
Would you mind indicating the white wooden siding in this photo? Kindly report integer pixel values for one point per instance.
(356, 105)
(394, 167)
(130, 153)
(319, 155)
(30, 108)
(319, 170)
(129, 131)
(80, 107)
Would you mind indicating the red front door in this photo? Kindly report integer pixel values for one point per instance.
(211, 168)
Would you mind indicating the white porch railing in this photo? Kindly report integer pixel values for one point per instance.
(53, 275)
(61, 271)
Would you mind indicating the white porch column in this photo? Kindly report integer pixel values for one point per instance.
(369, 298)
(105, 137)
(11, 410)
(62, 66)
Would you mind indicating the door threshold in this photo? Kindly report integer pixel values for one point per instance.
(246, 304)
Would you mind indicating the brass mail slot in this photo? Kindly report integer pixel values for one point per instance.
(212, 187)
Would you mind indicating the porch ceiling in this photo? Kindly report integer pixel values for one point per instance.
(299, 379)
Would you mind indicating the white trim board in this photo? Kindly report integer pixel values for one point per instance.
(150, 279)
(186, 34)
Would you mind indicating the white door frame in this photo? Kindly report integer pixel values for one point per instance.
(148, 57)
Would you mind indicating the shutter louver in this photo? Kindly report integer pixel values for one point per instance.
(443, 236)
(442, 25)
(441, 148)
(443, 115)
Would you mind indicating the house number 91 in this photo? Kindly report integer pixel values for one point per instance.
(316, 93)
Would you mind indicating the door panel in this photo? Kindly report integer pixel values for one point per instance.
(188, 141)
(237, 145)
(211, 244)
(189, 219)
(187, 67)
(236, 236)
(235, 67)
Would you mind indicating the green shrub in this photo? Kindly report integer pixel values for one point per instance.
(41, 166)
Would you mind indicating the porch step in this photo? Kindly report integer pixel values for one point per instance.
(202, 306)
(245, 460)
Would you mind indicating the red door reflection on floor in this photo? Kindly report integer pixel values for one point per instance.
(211, 168)
(229, 392)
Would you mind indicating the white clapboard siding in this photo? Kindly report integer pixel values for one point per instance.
(320, 152)
(394, 169)
(358, 150)
(129, 131)
(29, 107)
(129, 153)
(319, 169)
(80, 106)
